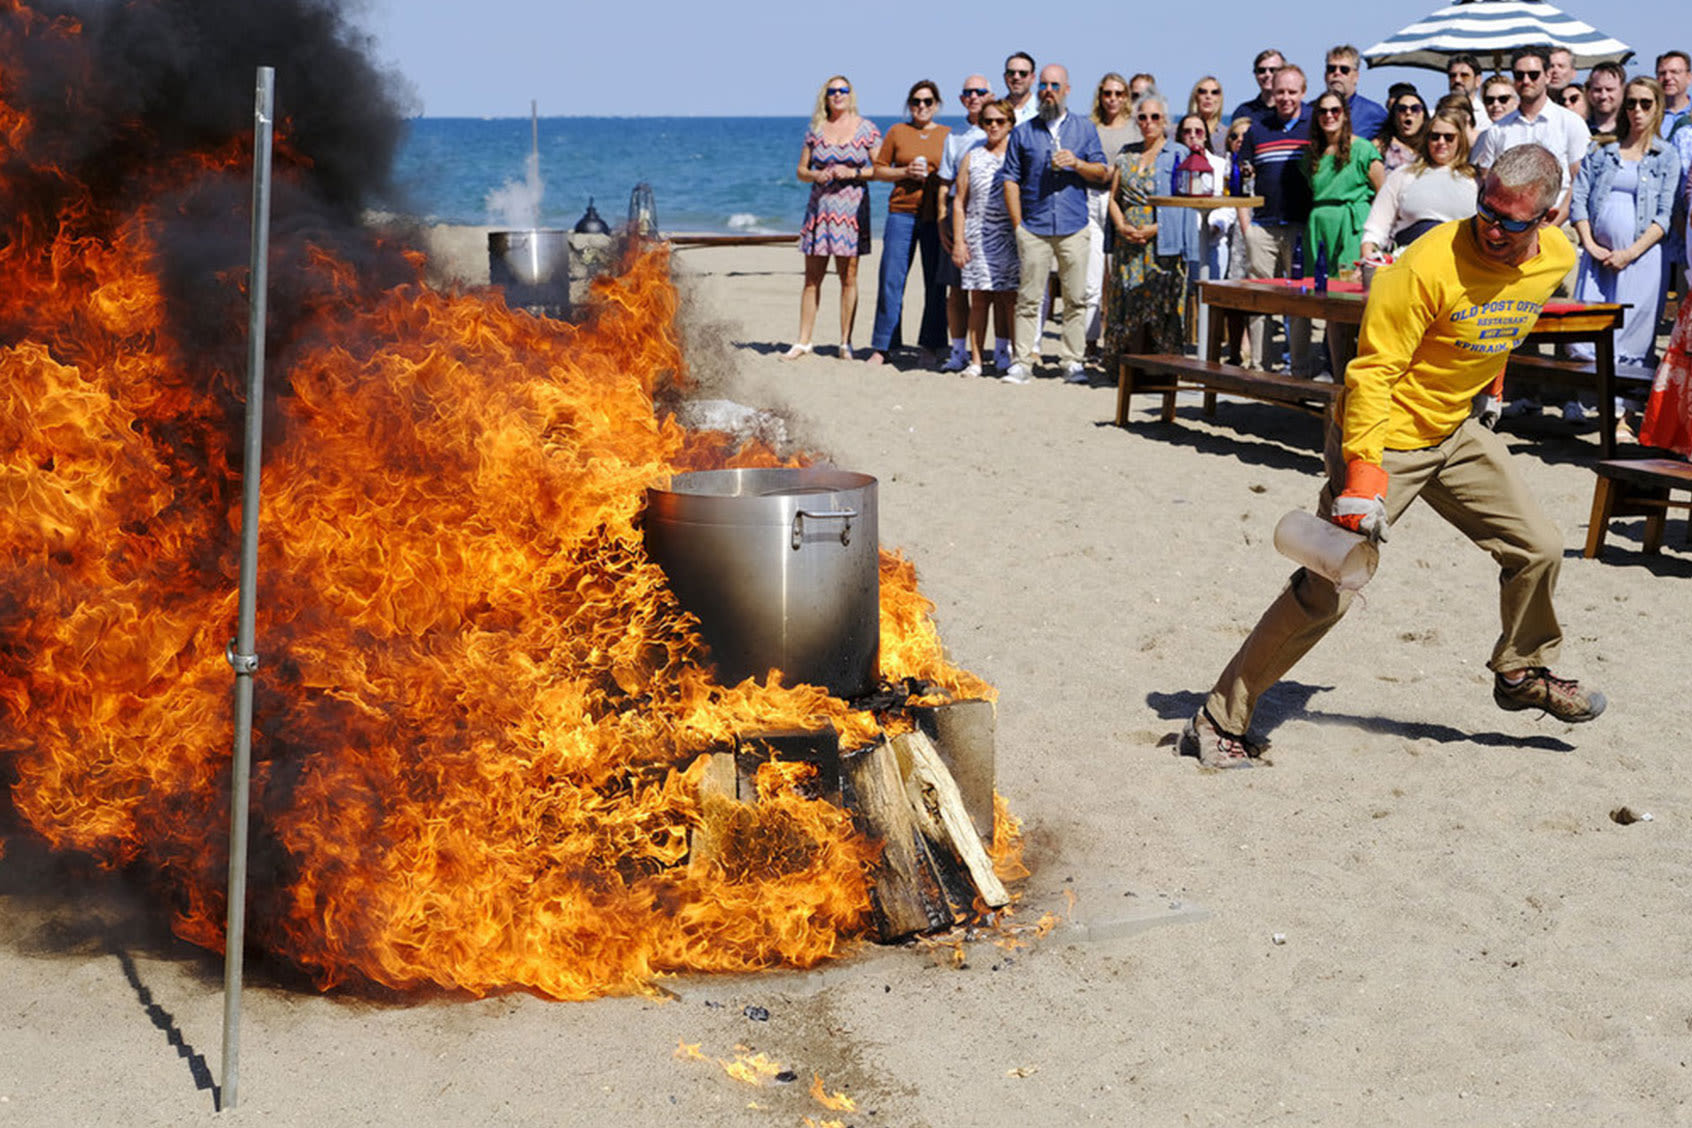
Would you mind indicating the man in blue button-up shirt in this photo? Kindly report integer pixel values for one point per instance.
(1049, 162)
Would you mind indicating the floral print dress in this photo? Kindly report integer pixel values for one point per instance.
(1149, 291)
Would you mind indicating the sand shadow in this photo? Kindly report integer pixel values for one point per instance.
(63, 906)
(1290, 700)
(1269, 446)
(777, 348)
(1677, 535)
(166, 1022)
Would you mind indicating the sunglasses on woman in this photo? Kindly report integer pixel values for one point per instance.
(986, 121)
(1496, 99)
(1638, 103)
(922, 101)
(1442, 138)
(1409, 108)
(839, 91)
(1513, 226)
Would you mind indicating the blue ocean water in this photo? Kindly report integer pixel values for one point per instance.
(723, 175)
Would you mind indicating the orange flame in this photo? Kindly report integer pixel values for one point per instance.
(836, 1102)
(478, 698)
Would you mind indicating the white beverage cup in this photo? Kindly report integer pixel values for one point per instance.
(1340, 555)
(919, 166)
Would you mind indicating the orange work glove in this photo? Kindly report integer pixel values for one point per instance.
(1362, 506)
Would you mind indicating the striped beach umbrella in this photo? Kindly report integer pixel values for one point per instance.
(1491, 29)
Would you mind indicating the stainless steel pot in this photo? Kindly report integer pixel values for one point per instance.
(781, 566)
(528, 258)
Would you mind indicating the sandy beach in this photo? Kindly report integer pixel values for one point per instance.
(1422, 914)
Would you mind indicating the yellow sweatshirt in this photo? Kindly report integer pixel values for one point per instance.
(1438, 327)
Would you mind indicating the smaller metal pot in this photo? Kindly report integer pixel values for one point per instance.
(529, 258)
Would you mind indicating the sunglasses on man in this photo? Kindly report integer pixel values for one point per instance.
(1513, 226)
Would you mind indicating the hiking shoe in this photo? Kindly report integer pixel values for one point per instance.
(1562, 698)
(1214, 748)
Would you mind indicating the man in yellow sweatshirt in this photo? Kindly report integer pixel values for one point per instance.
(1438, 327)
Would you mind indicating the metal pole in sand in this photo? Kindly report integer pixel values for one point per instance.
(240, 653)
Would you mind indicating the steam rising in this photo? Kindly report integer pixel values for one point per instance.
(517, 203)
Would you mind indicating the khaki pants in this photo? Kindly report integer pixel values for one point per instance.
(1268, 254)
(1468, 479)
(1037, 252)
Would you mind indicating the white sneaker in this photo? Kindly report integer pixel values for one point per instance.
(1016, 374)
(972, 370)
(1074, 373)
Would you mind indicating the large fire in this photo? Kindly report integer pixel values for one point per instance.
(479, 710)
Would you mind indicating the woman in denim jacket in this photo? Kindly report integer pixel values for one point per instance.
(1623, 197)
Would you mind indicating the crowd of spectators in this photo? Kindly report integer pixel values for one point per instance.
(1030, 188)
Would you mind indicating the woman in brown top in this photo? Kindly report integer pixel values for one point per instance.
(910, 158)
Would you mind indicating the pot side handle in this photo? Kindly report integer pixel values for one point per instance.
(844, 516)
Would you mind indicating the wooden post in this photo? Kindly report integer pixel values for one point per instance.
(717, 794)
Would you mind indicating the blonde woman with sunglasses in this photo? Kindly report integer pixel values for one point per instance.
(838, 162)
(1439, 185)
(984, 241)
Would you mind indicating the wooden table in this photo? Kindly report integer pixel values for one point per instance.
(1561, 322)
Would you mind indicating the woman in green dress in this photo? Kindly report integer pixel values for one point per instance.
(1149, 283)
(1344, 172)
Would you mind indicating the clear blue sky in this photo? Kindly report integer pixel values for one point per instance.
(768, 57)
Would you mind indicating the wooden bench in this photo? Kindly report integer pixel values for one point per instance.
(1634, 488)
(1581, 375)
(1140, 373)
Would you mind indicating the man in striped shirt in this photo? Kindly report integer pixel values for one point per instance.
(1273, 146)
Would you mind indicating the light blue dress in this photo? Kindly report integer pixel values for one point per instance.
(1639, 283)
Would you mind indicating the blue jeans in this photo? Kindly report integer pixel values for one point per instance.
(903, 237)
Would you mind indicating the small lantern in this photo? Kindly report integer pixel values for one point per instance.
(1194, 176)
(643, 212)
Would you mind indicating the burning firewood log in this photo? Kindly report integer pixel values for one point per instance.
(933, 871)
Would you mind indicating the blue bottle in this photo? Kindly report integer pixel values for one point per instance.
(1234, 176)
(1322, 266)
(1298, 256)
